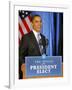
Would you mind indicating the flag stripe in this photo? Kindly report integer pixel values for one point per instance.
(28, 22)
(22, 26)
(25, 24)
(20, 36)
(29, 18)
(20, 29)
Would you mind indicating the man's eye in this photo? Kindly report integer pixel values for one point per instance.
(36, 21)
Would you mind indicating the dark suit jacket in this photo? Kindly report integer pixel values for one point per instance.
(29, 47)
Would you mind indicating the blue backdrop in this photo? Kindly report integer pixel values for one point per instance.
(52, 28)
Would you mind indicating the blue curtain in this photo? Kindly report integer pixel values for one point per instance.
(52, 28)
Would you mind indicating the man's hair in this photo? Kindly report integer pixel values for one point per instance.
(32, 18)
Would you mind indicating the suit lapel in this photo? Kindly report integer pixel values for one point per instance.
(34, 42)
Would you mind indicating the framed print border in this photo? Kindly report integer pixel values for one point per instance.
(13, 34)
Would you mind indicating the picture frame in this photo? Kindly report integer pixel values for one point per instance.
(13, 40)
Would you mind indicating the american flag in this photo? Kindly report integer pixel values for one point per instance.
(24, 23)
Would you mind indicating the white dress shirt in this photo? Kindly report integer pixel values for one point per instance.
(36, 35)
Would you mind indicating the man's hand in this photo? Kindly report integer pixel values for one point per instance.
(23, 70)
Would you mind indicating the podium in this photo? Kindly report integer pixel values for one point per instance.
(43, 66)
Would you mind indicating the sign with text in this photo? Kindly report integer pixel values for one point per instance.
(38, 66)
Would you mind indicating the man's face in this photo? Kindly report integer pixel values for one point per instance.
(37, 23)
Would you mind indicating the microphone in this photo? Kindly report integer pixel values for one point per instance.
(46, 42)
(41, 46)
(43, 43)
(46, 45)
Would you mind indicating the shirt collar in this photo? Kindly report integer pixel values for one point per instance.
(35, 33)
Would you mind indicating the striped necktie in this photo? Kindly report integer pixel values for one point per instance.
(40, 44)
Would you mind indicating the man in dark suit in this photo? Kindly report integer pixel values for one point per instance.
(32, 44)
